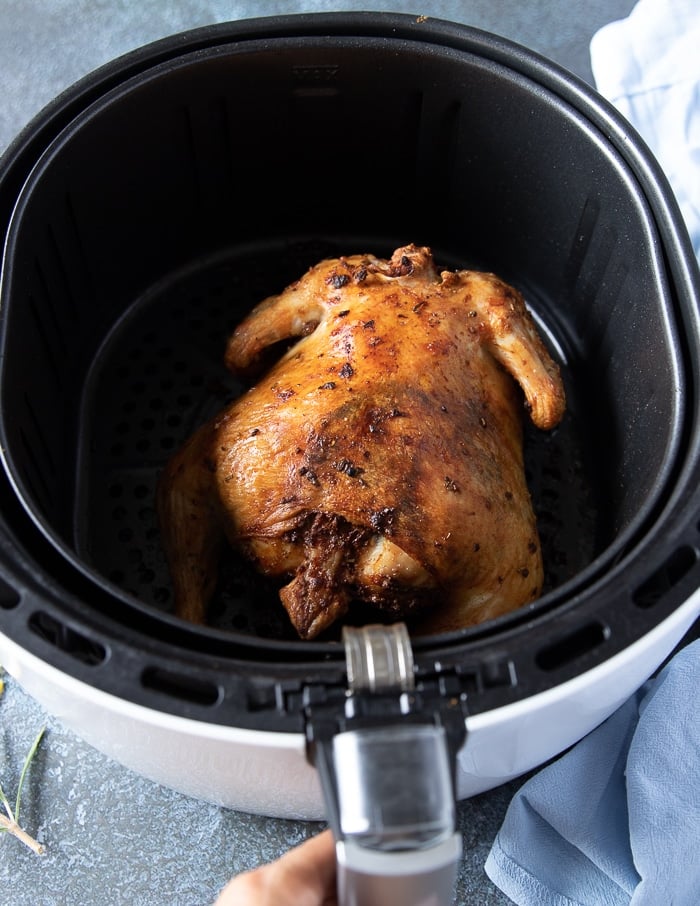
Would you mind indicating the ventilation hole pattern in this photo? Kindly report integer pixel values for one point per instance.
(161, 375)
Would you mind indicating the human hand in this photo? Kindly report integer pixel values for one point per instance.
(305, 876)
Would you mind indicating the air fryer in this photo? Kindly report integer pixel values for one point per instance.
(149, 208)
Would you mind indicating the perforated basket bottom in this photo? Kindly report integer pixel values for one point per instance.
(159, 375)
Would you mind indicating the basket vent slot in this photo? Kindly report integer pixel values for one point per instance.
(61, 636)
(666, 577)
(49, 337)
(180, 686)
(35, 476)
(572, 646)
(9, 598)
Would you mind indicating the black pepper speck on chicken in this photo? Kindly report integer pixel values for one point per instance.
(380, 459)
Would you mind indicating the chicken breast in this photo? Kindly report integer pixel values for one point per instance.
(380, 457)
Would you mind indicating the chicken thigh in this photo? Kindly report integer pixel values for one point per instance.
(380, 457)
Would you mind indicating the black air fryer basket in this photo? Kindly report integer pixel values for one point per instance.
(151, 206)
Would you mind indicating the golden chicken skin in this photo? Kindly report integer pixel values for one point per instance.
(380, 458)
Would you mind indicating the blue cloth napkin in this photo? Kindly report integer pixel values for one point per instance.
(616, 820)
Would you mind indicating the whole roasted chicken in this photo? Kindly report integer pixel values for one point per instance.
(380, 457)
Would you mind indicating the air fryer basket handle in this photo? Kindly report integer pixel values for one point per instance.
(387, 762)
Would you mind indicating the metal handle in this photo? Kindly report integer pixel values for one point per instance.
(386, 762)
(411, 878)
(379, 658)
(397, 843)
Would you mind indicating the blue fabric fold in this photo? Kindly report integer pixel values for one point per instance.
(616, 820)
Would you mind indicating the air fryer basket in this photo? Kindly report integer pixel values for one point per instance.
(172, 191)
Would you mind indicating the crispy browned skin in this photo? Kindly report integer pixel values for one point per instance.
(381, 457)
